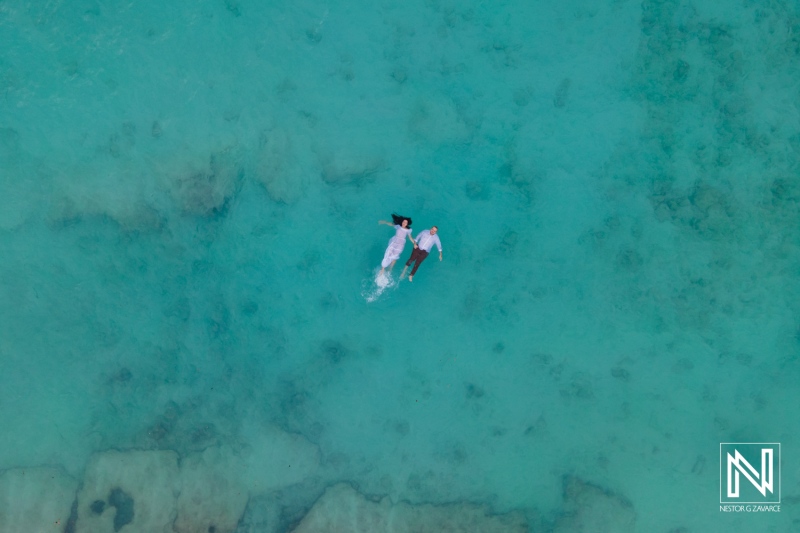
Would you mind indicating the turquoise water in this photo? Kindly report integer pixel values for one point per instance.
(191, 338)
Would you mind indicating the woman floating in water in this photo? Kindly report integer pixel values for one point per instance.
(402, 227)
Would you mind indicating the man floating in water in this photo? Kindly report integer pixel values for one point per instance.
(425, 241)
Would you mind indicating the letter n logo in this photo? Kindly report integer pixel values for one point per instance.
(750, 472)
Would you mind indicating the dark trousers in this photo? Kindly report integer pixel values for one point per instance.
(419, 256)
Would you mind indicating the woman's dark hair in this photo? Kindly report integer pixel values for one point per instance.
(399, 220)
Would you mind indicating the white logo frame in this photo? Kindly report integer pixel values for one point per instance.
(732, 463)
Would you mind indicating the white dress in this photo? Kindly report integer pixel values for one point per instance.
(396, 245)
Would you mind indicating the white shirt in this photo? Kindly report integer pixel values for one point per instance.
(425, 241)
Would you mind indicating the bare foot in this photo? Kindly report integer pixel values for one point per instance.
(410, 278)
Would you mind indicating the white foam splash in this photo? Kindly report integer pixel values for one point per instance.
(373, 288)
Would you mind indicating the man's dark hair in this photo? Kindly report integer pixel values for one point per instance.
(399, 220)
(434, 227)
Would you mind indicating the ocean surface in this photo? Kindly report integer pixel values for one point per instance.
(191, 334)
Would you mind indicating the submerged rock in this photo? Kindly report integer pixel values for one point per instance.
(123, 504)
(276, 459)
(212, 496)
(593, 509)
(133, 491)
(149, 491)
(354, 169)
(36, 499)
(342, 508)
(279, 166)
(206, 189)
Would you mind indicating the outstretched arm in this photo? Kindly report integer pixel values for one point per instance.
(410, 238)
(385, 222)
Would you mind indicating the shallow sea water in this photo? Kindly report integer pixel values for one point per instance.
(191, 336)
